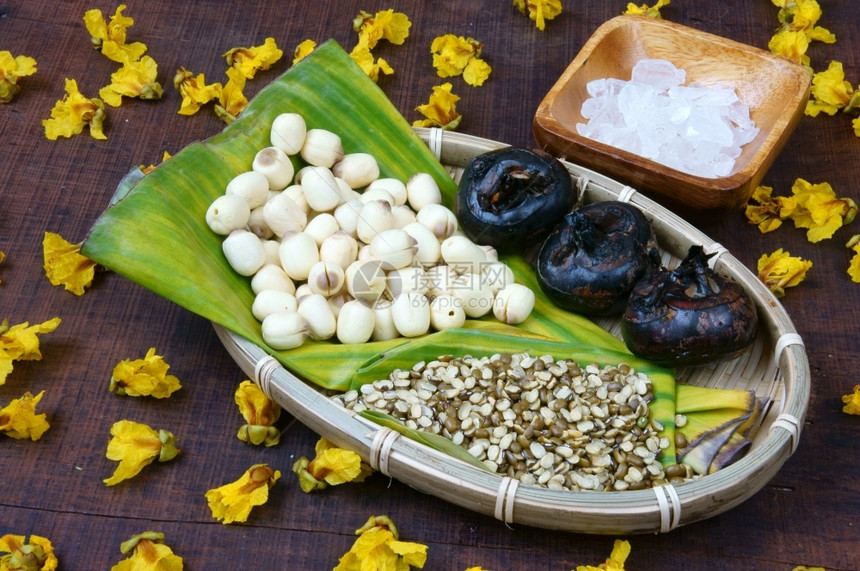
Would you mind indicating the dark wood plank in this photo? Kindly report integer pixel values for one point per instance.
(806, 515)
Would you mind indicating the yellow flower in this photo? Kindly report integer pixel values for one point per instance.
(144, 377)
(2, 257)
(331, 466)
(12, 68)
(620, 552)
(441, 110)
(364, 58)
(20, 343)
(195, 93)
(64, 264)
(379, 548)
(770, 211)
(303, 50)
(852, 401)
(109, 37)
(260, 414)
(645, 10)
(133, 79)
(148, 169)
(805, 568)
(384, 25)
(854, 267)
(148, 553)
(539, 10)
(455, 55)
(792, 45)
(819, 210)
(233, 502)
(18, 419)
(136, 445)
(73, 112)
(780, 270)
(231, 99)
(802, 15)
(830, 92)
(36, 554)
(251, 60)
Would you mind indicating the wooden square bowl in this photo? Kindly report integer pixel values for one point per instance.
(774, 88)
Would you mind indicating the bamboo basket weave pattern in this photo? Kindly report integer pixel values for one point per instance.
(775, 367)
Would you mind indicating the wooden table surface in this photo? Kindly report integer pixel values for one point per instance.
(808, 514)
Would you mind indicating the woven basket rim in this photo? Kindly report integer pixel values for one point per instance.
(781, 370)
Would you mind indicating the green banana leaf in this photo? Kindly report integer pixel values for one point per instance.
(154, 232)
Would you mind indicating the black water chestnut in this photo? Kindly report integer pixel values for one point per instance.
(590, 262)
(511, 198)
(689, 316)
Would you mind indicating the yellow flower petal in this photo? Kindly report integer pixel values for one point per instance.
(231, 99)
(133, 79)
(37, 553)
(194, 90)
(144, 377)
(251, 60)
(790, 44)
(19, 420)
(303, 50)
(645, 10)
(441, 110)
(620, 552)
(72, 113)
(378, 547)
(780, 270)
(384, 25)
(11, 69)
(260, 413)
(819, 210)
(135, 446)
(451, 54)
(539, 11)
(854, 267)
(21, 343)
(331, 466)
(372, 67)
(64, 264)
(852, 401)
(148, 552)
(233, 502)
(110, 37)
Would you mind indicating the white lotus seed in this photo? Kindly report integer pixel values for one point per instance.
(446, 312)
(355, 322)
(374, 217)
(403, 216)
(284, 330)
(411, 314)
(325, 278)
(227, 213)
(347, 216)
(276, 166)
(322, 148)
(321, 189)
(439, 219)
(463, 255)
(244, 252)
(513, 303)
(269, 301)
(288, 132)
(394, 247)
(252, 186)
(428, 250)
(298, 252)
(392, 186)
(319, 317)
(272, 276)
(476, 297)
(383, 326)
(421, 190)
(357, 169)
(283, 215)
(340, 248)
(322, 226)
(257, 224)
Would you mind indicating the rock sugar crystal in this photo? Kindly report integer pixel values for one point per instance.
(692, 128)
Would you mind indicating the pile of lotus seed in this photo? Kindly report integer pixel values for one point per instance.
(336, 252)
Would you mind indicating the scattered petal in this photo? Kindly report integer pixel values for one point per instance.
(110, 37)
(303, 50)
(133, 79)
(11, 69)
(384, 25)
(456, 55)
(852, 401)
(72, 113)
(147, 552)
(792, 45)
(19, 420)
(251, 60)
(233, 502)
(64, 265)
(854, 267)
(364, 58)
(539, 10)
(260, 414)
(378, 548)
(20, 554)
(780, 270)
(441, 110)
(231, 99)
(144, 377)
(134, 446)
(645, 10)
(194, 90)
(21, 343)
(331, 466)
(620, 552)
(819, 210)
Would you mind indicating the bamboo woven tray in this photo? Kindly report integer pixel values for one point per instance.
(775, 366)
